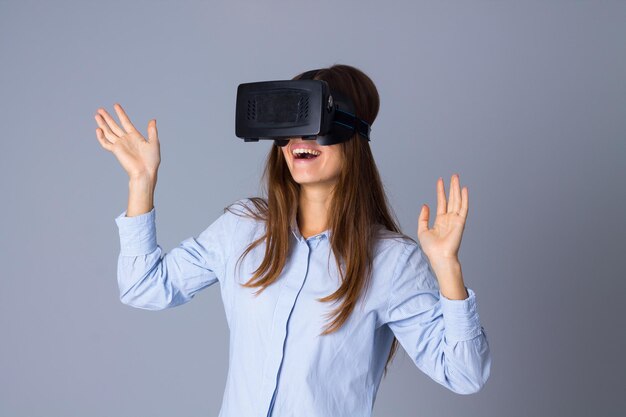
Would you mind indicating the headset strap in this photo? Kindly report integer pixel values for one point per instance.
(350, 121)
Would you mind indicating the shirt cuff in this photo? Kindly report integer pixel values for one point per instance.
(137, 233)
(461, 318)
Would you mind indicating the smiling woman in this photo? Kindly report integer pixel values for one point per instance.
(343, 180)
(309, 336)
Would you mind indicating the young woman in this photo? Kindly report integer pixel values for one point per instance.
(318, 283)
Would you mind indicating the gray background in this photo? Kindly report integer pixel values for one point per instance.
(526, 100)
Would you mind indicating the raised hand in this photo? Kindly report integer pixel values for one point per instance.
(441, 243)
(138, 156)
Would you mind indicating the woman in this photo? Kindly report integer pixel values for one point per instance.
(310, 335)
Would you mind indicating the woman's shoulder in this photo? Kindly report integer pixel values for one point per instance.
(248, 207)
(391, 243)
(246, 215)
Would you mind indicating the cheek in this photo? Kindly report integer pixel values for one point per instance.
(335, 161)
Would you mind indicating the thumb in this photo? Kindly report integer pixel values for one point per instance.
(152, 131)
(422, 221)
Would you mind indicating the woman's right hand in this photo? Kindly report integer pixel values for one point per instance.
(139, 157)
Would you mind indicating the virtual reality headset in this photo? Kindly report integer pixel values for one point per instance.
(306, 108)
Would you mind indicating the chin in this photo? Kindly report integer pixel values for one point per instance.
(304, 180)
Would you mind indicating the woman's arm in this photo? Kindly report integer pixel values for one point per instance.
(150, 279)
(443, 337)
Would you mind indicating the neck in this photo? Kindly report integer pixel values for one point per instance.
(313, 209)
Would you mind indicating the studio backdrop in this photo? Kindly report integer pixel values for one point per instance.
(525, 100)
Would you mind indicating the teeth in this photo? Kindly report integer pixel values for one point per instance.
(311, 151)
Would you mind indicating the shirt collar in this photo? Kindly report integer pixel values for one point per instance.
(296, 231)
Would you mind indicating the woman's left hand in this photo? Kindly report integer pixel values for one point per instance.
(441, 243)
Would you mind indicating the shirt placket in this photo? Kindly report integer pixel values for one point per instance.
(284, 306)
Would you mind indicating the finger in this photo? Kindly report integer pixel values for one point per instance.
(464, 203)
(105, 128)
(451, 195)
(128, 126)
(103, 141)
(422, 221)
(153, 134)
(441, 197)
(110, 122)
(456, 193)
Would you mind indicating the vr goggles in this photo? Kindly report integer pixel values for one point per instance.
(307, 108)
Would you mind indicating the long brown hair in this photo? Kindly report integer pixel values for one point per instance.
(359, 203)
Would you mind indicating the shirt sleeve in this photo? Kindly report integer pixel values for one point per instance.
(443, 337)
(150, 279)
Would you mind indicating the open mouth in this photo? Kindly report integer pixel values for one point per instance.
(305, 154)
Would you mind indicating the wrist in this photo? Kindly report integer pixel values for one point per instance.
(145, 180)
(445, 264)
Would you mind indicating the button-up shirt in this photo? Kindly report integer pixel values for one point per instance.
(279, 364)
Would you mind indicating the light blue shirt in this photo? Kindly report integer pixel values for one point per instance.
(278, 363)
